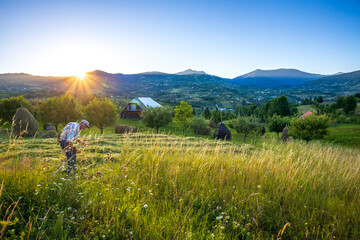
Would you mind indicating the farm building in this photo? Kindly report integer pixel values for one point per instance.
(306, 114)
(134, 107)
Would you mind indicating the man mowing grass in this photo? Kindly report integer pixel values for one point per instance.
(66, 139)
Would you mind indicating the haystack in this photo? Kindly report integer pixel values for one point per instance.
(222, 132)
(262, 131)
(50, 134)
(24, 123)
(285, 134)
(125, 129)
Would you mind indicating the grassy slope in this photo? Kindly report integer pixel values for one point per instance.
(345, 134)
(176, 187)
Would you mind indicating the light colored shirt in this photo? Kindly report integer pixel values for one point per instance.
(71, 132)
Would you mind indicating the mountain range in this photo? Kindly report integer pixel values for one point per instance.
(275, 78)
(196, 87)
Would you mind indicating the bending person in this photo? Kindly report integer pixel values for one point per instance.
(66, 139)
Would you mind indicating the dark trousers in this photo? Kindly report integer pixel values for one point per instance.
(70, 155)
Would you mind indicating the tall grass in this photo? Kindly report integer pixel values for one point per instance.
(145, 186)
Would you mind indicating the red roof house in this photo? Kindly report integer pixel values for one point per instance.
(306, 114)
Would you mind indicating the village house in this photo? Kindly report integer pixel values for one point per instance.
(134, 108)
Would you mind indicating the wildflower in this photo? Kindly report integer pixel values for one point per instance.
(130, 232)
(145, 206)
(15, 213)
(132, 183)
(129, 188)
(98, 172)
(69, 208)
(72, 218)
(254, 219)
(219, 217)
(149, 190)
(107, 153)
(104, 236)
(38, 185)
(222, 227)
(106, 159)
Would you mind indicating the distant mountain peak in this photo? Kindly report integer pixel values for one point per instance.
(275, 77)
(280, 73)
(191, 72)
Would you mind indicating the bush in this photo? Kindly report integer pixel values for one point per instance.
(312, 127)
(278, 123)
(9, 106)
(198, 125)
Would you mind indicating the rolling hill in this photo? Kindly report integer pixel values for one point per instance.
(343, 84)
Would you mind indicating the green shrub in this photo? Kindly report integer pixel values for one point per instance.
(312, 127)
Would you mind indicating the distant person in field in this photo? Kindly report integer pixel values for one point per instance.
(66, 139)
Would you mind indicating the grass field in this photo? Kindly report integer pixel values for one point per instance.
(345, 134)
(145, 186)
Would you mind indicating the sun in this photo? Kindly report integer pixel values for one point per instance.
(81, 76)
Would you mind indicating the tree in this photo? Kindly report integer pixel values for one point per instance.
(183, 113)
(228, 115)
(216, 116)
(277, 123)
(207, 113)
(246, 126)
(320, 99)
(8, 107)
(279, 106)
(69, 109)
(49, 111)
(197, 124)
(100, 113)
(340, 102)
(312, 127)
(349, 104)
(156, 117)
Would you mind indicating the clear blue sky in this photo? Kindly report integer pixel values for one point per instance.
(224, 38)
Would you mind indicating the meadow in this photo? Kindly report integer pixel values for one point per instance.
(148, 186)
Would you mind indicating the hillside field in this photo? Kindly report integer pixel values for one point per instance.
(146, 186)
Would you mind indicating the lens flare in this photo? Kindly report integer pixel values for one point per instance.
(81, 76)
